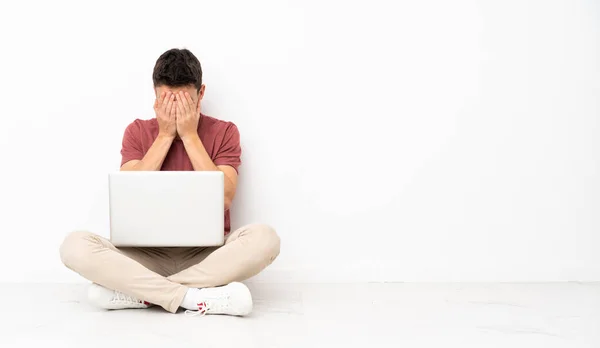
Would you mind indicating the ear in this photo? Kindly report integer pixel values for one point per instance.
(201, 92)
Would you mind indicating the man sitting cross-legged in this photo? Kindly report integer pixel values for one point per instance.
(201, 280)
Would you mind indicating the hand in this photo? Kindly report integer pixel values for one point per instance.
(188, 115)
(164, 107)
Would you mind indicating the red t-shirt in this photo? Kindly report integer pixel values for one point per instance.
(221, 140)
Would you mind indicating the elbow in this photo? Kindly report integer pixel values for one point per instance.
(131, 166)
(228, 202)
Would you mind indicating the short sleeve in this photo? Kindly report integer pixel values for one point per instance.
(131, 148)
(230, 151)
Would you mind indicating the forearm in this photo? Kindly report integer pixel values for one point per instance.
(155, 156)
(200, 159)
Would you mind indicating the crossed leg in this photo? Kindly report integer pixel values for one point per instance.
(149, 273)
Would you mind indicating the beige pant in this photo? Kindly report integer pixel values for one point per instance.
(162, 275)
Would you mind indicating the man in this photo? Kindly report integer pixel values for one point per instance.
(200, 280)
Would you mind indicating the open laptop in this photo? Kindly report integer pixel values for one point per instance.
(166, 209)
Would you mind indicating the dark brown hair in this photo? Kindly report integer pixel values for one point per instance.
(176, 68)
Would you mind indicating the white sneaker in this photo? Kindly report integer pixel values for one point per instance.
(111, 299)
(231, 299)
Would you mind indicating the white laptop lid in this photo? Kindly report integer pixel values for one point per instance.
(166, 208)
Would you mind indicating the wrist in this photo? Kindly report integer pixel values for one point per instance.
(165, 137)
(189, 137)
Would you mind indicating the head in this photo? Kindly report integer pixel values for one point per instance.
(178, 70)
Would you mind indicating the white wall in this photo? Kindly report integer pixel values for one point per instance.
(386, 141)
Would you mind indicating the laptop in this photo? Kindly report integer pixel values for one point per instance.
(166, 208)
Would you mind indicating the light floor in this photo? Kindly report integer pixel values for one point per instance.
(319, 315)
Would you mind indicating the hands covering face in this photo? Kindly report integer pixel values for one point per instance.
(187, 114)
(177, 113)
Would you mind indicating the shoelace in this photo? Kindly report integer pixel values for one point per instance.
(216, 303)
(121, 297)
(202, 309)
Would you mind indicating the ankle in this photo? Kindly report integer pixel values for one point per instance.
(190, 300)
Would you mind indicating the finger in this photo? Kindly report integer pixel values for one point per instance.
(178, 111)
(181, 105)
(181, 98)
(158, 101)
(170, 103)
(166, 99)
(181, 114)
(173, 113)
(190, 102)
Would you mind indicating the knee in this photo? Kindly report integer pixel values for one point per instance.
(74, 250)
(268, 240)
